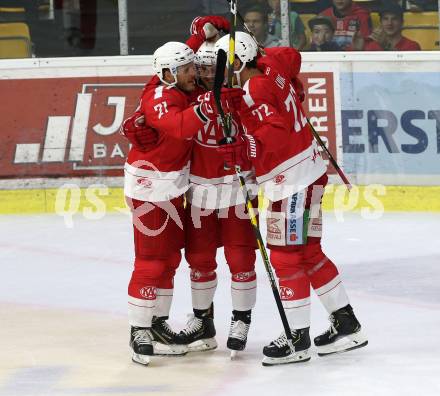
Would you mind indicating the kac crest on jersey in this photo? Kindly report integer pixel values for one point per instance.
(212, 132)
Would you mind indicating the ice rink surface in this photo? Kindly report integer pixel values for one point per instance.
(64, 331)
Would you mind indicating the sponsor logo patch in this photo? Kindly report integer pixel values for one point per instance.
(276, 230)
(315, 227)
(148, 292)
(243, 276)
(286, 293)
(278, 179)
(295, 218)
(272, 226)
(195, 275)
(145, 182)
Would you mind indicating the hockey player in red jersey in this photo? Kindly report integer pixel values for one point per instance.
(215, 211)
(216, 217)
(290, 169)
(155, 183)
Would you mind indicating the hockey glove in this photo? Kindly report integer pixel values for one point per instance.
(230, 99)
(208, 27)
(241, 151)
(141, 136)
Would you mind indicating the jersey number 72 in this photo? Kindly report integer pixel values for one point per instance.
(291, 103)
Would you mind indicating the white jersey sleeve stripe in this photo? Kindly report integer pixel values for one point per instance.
(247, 96)
(158, 92)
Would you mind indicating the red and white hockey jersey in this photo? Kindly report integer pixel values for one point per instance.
(289, 159)
(212, 186)
(163, 172)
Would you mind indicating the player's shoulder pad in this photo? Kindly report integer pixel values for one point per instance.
(257, 89)
(286, 60)
(161, 92)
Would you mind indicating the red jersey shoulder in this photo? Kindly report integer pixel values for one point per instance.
(286, 60)
(164, 96)
(356, 10)
(328, 12)
(260, 88)
(371, 45)
(405, 44)
(359, 11)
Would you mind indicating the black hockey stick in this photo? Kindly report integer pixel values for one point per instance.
(314, 133)
(330, 157)
(218, 82)
(219, 78)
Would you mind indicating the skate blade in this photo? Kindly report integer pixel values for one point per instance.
(140, 359)
(344, 344)
(206, 344)
(296, 357)
(234, 354)
(169, 349)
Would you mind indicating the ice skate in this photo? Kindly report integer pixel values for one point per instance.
(140, 343)
(343, 335)
(164, 340)
(238, 332)
(199, 334)
(279, 351)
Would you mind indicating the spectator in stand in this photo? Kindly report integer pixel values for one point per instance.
(388, 36)
(323, 30)
(350, 20)
(256, 20)
(297, 35)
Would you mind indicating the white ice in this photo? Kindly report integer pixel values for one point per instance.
(64, 331)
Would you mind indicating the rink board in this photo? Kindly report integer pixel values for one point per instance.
(378, 114)
(95, 201)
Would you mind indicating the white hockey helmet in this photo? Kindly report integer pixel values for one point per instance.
(170, 56)
(245, 47)
(206, 54)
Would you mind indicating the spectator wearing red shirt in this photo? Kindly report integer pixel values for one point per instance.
(388, 36)
(348, 19)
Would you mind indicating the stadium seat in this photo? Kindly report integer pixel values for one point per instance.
(375, 19)
(428, 37)
(421, 19)
(305, 18)
(15, 41)
(12, 14)
(11, 9)
(41, 7)
(369, 4)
